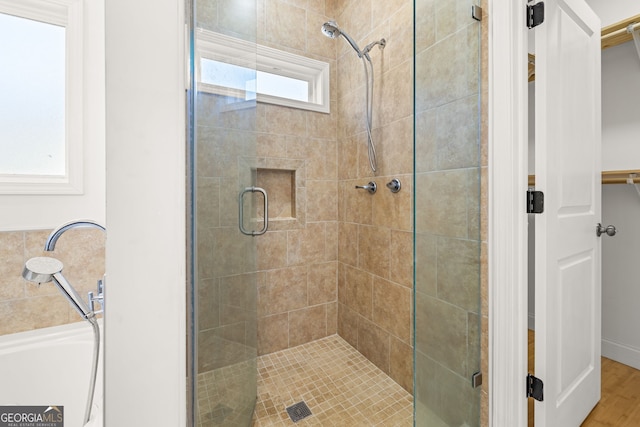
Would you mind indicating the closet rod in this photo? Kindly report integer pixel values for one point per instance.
(608, 177)
(619, 33)
(621, 177)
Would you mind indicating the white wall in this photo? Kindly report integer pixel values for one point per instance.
(620, 90)
(620, 113)
(612, 11)
(145, 327)
(621, 275)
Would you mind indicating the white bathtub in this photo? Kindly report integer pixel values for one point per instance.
(51, 366)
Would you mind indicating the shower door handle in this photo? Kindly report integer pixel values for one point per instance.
(241, 211)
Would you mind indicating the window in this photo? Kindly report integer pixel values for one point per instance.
(233, 67)
(41, 105)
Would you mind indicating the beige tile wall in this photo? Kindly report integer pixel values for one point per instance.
(297, 291)
(25, 305)
(375, 239)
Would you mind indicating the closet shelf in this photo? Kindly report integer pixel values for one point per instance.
(608, 177)
(612, 35)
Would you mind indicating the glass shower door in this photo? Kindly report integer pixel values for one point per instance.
(222, 117)
(447, 228)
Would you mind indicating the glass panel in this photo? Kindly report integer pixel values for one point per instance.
(32, 105)
(447, 237)
(227, 75)
(223, 372)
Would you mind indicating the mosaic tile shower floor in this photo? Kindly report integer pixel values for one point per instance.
(340, 386)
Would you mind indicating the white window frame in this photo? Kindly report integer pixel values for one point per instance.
(219, 47)
(68, 14)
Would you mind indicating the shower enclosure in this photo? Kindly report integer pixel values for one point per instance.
(432, 346)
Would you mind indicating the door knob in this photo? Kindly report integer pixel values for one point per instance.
(610, 230)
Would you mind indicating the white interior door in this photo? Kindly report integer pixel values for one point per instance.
(567, 161)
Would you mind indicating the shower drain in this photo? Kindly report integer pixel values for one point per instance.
(298, 411)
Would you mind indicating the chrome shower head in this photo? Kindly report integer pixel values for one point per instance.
(331, 30)
(46, 269)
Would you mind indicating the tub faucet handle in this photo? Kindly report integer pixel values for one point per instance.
(371, 187)
(97, 298)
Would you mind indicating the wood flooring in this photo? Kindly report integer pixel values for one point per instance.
(619, 404)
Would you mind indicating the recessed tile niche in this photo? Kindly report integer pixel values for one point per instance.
(280, 185)
(284, 183)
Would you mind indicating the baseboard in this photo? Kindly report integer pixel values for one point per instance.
(621, 353)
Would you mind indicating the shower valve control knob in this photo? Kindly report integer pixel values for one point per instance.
(610, 230)
(394, 185)
(371, 187)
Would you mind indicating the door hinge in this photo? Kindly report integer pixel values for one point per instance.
(535, 15)
(534, 387)
(535, 201)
